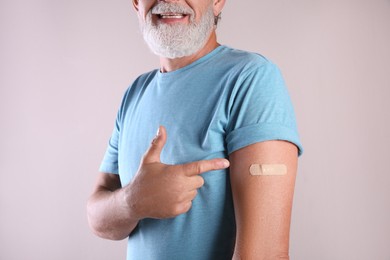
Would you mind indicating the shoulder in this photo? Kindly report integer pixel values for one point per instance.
(245, 59)
(145, 78)
(244, 65)
(251, 69)
(135, 88)
(140, 82)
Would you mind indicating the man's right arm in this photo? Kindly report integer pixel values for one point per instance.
(108, 213)
(157, 191)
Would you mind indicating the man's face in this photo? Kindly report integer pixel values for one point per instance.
(176, 29)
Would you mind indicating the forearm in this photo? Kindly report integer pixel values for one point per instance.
(109, 215)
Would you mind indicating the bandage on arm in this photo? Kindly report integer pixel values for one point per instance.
(262, 179)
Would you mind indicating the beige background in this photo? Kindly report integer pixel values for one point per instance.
(64, 66)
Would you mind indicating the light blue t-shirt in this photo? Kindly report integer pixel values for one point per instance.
(222, 102)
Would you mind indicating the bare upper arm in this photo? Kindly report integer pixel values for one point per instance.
(263, 203)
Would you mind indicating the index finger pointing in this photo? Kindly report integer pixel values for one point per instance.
(199, 167)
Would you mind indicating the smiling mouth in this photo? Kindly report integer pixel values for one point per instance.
(171, 16)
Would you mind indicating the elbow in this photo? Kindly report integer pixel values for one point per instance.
(106, 234)
(99, 226)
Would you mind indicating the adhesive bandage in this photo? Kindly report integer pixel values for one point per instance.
(268, 169)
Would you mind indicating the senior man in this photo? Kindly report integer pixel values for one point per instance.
(217, 180)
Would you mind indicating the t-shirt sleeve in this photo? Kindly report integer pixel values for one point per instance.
(110, 159)
(260, 109)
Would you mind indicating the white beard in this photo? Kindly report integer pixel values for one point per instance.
(177, 40)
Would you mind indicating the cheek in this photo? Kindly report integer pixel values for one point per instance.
(205, 9)
(199, 7)
(145, 7)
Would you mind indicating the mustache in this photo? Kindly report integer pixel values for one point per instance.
(163, 7)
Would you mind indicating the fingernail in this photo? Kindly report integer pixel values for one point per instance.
(156, 137)
(225, 163)
(158, 132)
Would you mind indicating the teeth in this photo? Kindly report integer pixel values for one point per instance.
(171, 16)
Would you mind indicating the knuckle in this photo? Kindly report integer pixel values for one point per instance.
(191, 195)
(177, 210)
(197, 167)
(200, 167)
(181, 208)
(201, 182)
(187, 206)
(194, 194)
(154, 141)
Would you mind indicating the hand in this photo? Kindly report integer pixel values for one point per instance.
(163, 191)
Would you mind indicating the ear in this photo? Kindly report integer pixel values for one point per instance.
(135, 5)
(218, 6)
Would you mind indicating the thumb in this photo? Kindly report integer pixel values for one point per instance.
(152, 155)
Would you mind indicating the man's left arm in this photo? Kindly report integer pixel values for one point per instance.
(263, 199)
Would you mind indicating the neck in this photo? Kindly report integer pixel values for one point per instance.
(167, 65)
